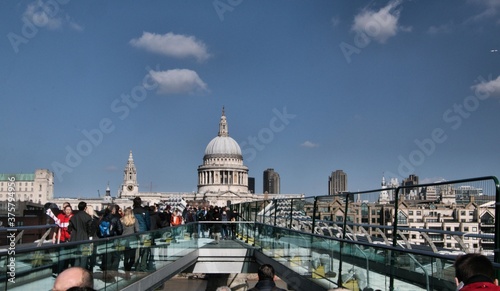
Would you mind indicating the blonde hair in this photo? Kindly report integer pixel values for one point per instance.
(90, 211)
(128, 218)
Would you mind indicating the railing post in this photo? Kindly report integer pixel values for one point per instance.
(275, 211)
(394, 240)
(315, 205)
(344, 229)
(497, 224)
(291, 213)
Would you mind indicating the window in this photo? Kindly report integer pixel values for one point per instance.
(466, 228)
(419, 212)
(410, 212)
(402, 219)
(474, 229)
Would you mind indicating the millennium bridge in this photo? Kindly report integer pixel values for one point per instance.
(309, 250)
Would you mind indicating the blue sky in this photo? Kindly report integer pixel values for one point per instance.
(370, 87)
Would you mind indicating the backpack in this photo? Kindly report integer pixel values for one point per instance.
(201, 216)
(105, 228)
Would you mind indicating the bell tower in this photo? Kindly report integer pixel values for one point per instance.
(129, 186)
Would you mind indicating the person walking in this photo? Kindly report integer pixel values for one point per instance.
(111, 226)
(79, 228)
(176, 221)
(141, 214)
(130, 226)
(266, 279)
(475, 272)
(217, 226)
(62, 236)
(92, 231)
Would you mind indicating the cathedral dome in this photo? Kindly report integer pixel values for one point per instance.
(223, 146)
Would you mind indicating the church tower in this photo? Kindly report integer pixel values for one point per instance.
(129, 186)
(384, 194)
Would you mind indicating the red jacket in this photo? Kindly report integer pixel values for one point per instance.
(480, 286)
(63, 226)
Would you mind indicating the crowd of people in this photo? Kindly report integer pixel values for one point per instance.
(84, 224)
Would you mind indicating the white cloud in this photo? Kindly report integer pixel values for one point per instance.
(429, 180)
(111, 168)
(48, 16)
(309, 144)
(489, 8)
(172, 45)
(443, 28)
(380, 25)
(335, 21)
(179, 81)
(491, 87)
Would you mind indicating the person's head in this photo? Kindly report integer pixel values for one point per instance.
(137, 202)
(82, 205)
(266, 272)
(65, 204)
(68, 210)
(73, 277)
(128, 218)
(90, 210)
(471, 268)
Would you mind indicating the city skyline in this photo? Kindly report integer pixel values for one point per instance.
(384, 88)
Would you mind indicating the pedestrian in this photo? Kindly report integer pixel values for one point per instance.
(130, 226)
(475, 272)
(175, 222)
(62, 236)
(217, 226)
(74, 277)
(111, 226)
(92, 231)
(142, 216)
(266, 279)
(79, 228)
(201, 217)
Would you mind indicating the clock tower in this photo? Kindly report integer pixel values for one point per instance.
(129, 186)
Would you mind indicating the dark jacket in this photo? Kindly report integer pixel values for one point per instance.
(142, 216)
(155, 220)
(266, 285)
(78, 226)
(216, 227)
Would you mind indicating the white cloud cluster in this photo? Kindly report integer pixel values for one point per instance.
(172, 45)
(309, 144)
(49, 16)
(491, 87)
(490, 8)
(179, 81)
(444, 28)
(382, 24)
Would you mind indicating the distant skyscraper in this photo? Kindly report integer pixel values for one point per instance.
(410, 181)
(271, 182)
(337, 182)
(251, 184)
